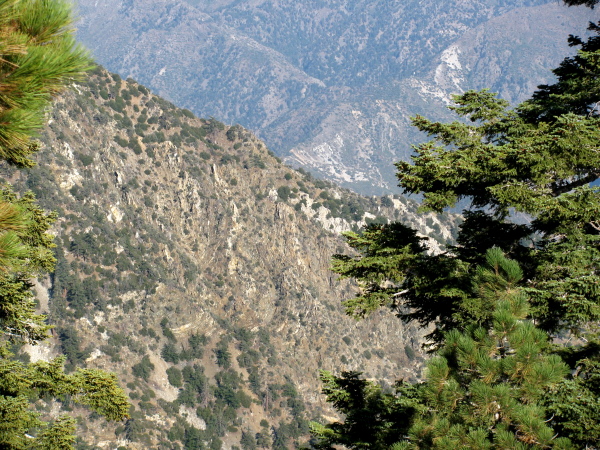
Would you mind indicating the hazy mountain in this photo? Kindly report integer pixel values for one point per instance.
(330, 85)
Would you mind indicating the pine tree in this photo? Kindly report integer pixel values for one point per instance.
(496, 381)
(38, 59)
(486, 387)
(373, 419)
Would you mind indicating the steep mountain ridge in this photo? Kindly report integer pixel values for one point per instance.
(194, 264)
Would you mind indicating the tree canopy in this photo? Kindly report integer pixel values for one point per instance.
(515, 301)
(38, 59)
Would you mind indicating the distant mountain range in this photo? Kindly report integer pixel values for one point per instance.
(331, 85)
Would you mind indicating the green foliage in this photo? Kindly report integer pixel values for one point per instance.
(26, 251)
(134, 145)
(222, 354)
(169, 353)
(195, 385)
(18, 382)
(86, 160)
(227, 389)
(346, 207)
(118, 104)
(256, 161)
(387, 251)
(164, 325)
(263, 440)
(39, 59)
(35, 31)
(70, 343)
(500, 295)
(212, 125)
(193, 439)
(187, 113)
(502, 161)
(248, 441)
(143, 369)
(195, 349)
(175, 377)
(387, 202)
(486, 386)
(248, 358)
(59, 435)
(377, 220)
(283, 192)
(121, 141)
(575, 405)
(373, 419)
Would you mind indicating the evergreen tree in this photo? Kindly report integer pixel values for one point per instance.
(504, 161)
(38, 59)
(248, 441)
(496, 382)
(485, 389)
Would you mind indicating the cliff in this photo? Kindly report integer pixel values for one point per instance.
(194, 263)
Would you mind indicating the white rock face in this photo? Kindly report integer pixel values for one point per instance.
(192, 418)
(40, 352)
(115, 215)
(450, 71)
(96, 353)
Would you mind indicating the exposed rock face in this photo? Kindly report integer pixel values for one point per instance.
(331, 85)
(186, 247)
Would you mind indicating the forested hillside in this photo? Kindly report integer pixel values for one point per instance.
(194, 264)
(167, 282)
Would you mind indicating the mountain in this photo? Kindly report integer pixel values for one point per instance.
(331, 85)
(193, 263)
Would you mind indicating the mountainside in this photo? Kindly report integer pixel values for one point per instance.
(330, 86)
(194, 264)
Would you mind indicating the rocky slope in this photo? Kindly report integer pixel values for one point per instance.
(194, 264)
(331, 85)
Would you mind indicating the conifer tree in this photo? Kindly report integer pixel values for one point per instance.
(496, 382)
(38, 59)
(485, 389)
(504, 161)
